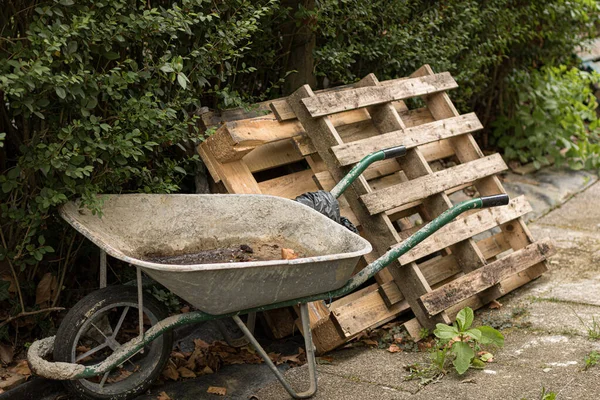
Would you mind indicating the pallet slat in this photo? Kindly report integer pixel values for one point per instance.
(353, 152)
(467, 227)
(335, 102)
(465, 286)
(425, 186)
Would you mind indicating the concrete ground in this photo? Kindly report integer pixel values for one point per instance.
(545, 324)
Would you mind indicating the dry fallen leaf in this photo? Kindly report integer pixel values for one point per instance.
(46, 289)
(201, 344)
(179, 355)
(394, 349)
(370, 342)
(6, 353)
(163, 396)
(494, 304)
(221, 391)
(170, 372)
(21, 368)
(123, 374)
(186, 373)
(288, 254)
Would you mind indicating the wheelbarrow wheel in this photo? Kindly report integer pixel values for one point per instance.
(96, 326)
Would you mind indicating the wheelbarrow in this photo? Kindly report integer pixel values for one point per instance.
(103, 349)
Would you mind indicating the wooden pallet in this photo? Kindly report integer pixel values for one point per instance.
(333, 129)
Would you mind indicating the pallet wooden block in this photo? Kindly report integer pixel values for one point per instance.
(329, 131)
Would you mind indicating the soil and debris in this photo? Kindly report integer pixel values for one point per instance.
(242, 253)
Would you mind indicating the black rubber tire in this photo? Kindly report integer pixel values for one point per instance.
(86, 308)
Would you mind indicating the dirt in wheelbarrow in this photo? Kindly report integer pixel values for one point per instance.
(241, 253)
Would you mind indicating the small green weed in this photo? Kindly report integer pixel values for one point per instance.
(545, 395)
(591, 360)
(518, 312)
(458, 345)
(593, 329)
(167, 298)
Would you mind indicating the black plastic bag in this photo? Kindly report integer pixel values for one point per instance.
(323, 202)
(326, 204)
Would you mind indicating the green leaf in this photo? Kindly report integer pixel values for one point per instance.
(8, 186)
(60, 92)
(167, 68)
(13, 173)
(465, 318)
(67, 2)
(477, 363)
(464, 354)
(180, 170)
(443, 331)
(4, 286)
(491, 336)
(182, 80)
(474, 333)
(111, 55)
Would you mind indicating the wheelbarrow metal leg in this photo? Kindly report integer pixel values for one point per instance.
(310, 355)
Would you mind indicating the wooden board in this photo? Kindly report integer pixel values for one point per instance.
(353, 152)
(468, 285)
(335, 102)
(466, 227)
(425, 186)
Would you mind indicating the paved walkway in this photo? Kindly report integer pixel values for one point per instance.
(545, 325)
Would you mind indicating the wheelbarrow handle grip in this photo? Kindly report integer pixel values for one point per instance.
(495, 200)
(393, 152)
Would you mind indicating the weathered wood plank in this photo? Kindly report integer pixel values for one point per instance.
(493, 245)
(209, 161)
(467, 227)
(418, 116)
(233, 140)
(280, 322)
(378, 230)
(487, 276)
(335, 102)
(353, 152)
(437, 150)
(356, 316)
(272, 155)
(289, 186)
(427, 185)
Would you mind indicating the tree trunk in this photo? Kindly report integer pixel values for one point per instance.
(299, 42)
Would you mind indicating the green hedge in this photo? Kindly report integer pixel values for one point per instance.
(99, 96)
(551, 112)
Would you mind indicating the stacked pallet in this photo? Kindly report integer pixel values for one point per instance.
(310, 140)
